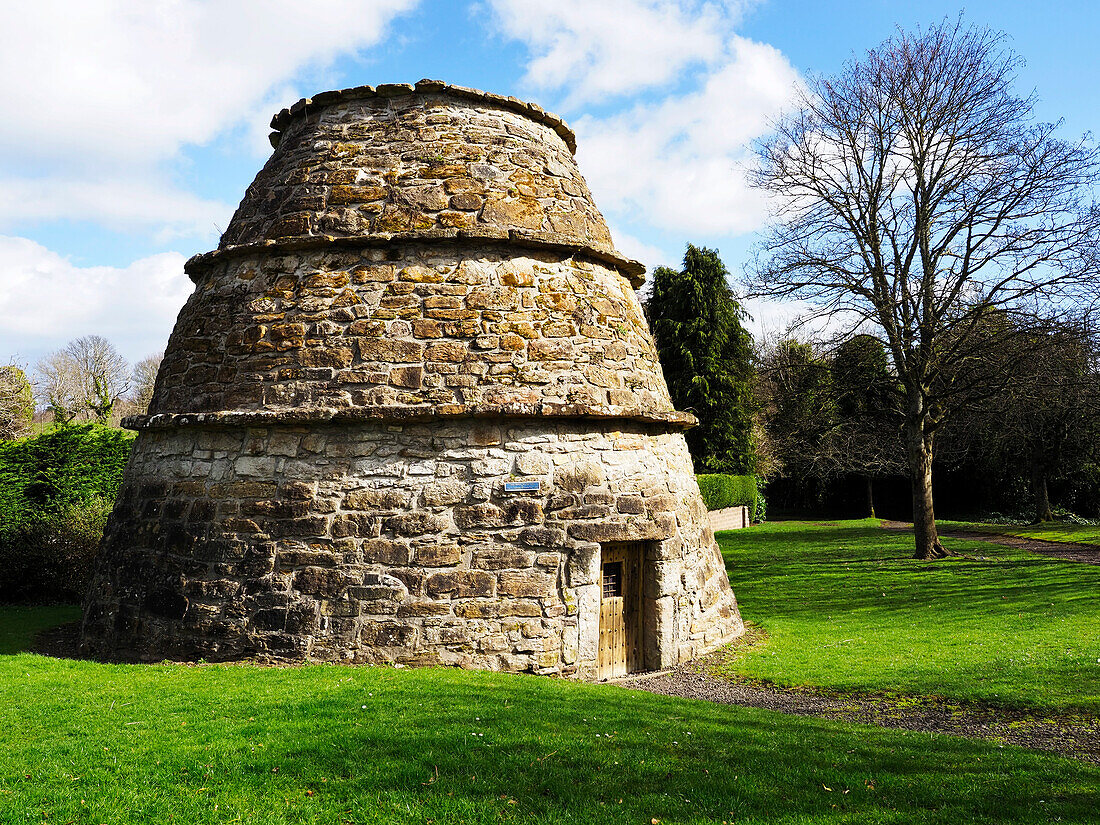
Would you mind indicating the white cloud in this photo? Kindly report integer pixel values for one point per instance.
(118, 81)
(678, 157)
(680, 163)
(117, 203)
(773, 320)
(102, 90)
(601, 49)
(647, 253)
(46, 301)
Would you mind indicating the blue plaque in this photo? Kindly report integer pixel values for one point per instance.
(522, 486)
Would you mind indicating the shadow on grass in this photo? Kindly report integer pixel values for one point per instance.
(858, 568)
(20, 624)
(331, 744)
(993, 624)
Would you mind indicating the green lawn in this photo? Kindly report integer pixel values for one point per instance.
(18, 625)
(90, 743)
(1050, 531)
(845, 607)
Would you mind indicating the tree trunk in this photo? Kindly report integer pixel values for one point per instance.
(1039, 494)
(928, 544)
(870, 497)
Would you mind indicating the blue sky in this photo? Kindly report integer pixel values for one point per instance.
(132, 129)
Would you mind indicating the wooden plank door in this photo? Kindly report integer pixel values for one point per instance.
(620, 609)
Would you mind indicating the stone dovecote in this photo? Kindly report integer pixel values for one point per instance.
(409, 413)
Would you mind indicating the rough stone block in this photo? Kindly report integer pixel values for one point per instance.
(373, 499)
(478, 515)
(386, 634)
(502, 558)
(396, 352)
(415, 523)
(385, 551)
(526, 584)
(542, 537)
(532, 464)
(576, 478)
(431, 555)
(583, 566)
(321, 581)
(460, 584)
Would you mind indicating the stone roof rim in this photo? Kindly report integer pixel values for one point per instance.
(322, 100)
(633, 270)
(672, 420)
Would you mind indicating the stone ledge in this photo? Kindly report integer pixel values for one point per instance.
(311, 105)
(671, 420)
(633, 270)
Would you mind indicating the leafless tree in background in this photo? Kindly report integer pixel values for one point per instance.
(16, 403)
(917, 197)
(143, 380)
(89, 376)
(59, 386)
(1044, 425)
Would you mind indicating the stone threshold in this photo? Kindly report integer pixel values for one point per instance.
(631, 678)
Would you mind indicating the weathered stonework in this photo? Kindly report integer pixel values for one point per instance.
(415, 306)
(414, 325)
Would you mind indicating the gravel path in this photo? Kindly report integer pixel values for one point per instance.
(1074, 736)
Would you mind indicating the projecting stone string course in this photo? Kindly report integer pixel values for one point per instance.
(416, 308)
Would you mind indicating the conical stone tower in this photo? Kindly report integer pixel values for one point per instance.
(412, 413)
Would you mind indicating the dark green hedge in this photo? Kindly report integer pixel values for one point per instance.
(720, 491)
(59, 470)
(56, 491)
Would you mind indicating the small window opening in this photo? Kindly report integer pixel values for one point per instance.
(612, 579)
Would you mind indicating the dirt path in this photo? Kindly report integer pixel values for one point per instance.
(1073, 736)
(1087, 553)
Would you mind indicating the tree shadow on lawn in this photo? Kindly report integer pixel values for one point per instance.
(846, 580)
(20, 624)
(390, 745)
(683, 763)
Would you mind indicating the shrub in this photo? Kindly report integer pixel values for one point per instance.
(44, 476)
(56, 491)
(720, 491)
(49, 558)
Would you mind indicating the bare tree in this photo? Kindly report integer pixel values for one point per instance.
(144, 379)
(59, 386)
(88, 376)
(105, 375)
(917, 196)
(16, 403)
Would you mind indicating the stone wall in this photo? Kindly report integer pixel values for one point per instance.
(389, 543)
(413, 325)
(396, 159)
(729, 518)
